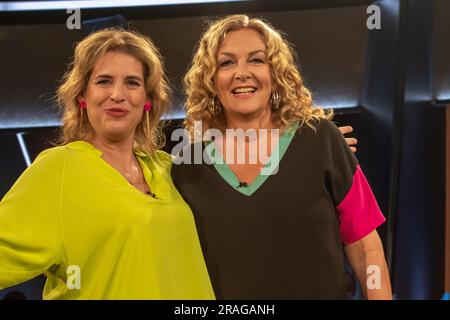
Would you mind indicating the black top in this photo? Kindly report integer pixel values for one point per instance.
(283, 241)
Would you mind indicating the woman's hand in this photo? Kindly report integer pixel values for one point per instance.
(352, 142)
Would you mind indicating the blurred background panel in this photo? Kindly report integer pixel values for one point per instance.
(441, 52)
(331, 55)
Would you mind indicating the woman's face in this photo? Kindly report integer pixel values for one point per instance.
(243, 80)
(115, 96)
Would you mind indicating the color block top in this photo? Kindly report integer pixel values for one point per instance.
(282, 235)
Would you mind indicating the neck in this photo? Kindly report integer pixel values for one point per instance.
(120, 152)
(260, 120)
(232, 145)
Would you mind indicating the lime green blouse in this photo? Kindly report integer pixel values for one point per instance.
(76, 219)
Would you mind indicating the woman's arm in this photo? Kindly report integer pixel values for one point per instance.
(366, 257)
(30, 235)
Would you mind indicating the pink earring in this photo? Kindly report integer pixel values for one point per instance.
(83, 104)
(148, 106)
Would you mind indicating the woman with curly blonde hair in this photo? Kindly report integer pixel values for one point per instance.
(99, 214)
(278, 233)
(293, 97)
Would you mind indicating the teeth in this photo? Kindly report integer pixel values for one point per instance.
(244, 90)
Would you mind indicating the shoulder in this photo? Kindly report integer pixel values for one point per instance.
(327, 137)
(71, 152)
(322, 132)
(47, 167)
(53, 156)
(327, 126)
(321, 128)
(189, 153)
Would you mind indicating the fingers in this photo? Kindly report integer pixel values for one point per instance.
(346, 129)
(351, 141)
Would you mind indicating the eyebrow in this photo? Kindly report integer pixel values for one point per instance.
(233, 55)
(130, 77)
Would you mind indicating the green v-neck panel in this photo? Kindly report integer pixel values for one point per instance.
(228, 175)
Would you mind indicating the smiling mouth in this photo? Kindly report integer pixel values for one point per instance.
(116, 112)
(243, 90)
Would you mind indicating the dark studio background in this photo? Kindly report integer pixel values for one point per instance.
(391, 85)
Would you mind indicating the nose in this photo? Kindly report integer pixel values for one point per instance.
(242, 72)
(117, 94)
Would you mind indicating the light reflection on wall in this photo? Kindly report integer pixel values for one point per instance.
(331, 55)
(443, 96)
(62, 5)
(45, 121)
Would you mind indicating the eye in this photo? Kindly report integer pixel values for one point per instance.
(103, 81)
(225, 63)
(133, 83)
(257, 60)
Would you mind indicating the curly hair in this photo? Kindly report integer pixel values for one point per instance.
(296, 100)
(75, 81)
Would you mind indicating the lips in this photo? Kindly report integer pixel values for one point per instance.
(248, 89)
(116, 112)
(244, 92)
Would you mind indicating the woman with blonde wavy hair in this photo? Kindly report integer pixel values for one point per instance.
(99, 214)
(278, 233)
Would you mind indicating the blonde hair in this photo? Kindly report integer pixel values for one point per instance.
(75, 81)
(296, 99)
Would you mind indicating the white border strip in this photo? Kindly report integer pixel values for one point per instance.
(90, 4)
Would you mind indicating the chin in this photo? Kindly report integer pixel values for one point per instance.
(249, 110)
(118, 129)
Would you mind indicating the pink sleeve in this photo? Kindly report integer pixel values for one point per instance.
(359, 213)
